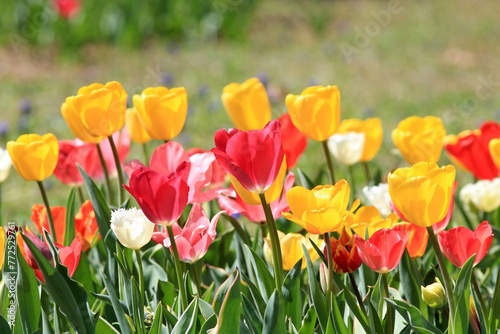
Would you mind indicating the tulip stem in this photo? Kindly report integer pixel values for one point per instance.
(446, 276)
(357, 294)
(329, 279)
(80, 194)
(366, 168)
(329, 161)
(178, 269)
(145, 152)
(275, 245)
(141, 277)
(49, 212)
(121, 191)
(389, 322)
(105, 170)
(196, 276)
(352, 180)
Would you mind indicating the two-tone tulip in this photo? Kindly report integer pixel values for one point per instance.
(345, 257)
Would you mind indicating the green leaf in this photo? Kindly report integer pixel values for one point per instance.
(309, 322)
(227, 303)
(187, 321)
(410, 283)
(156, 326)
(252, 316)
(494, 315)
(353, 304)
(305, 181)
(274, 318)
(28, 299)
(104, 327)
(258, 301)
(338, 322)
(117, 307)
(69, 231)
(291, 294)
(4, 326)
(70, 296)
(461, 293)
(265, 279)
(209, 324)
(374, 319)
(413, 317)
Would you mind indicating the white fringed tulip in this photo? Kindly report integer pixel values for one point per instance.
(131, 227)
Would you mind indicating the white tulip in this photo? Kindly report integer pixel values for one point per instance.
(347, 147)
(379, 197)
(484, 194)
(5, 164)
(132, 228)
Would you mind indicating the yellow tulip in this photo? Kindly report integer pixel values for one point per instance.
(247, 104)
(423, 192)
(134, 126)
(494, 147)
(96, 112)
(374, 133)
(367, 220)
(162, 111)
(34, 157)
(316, 111)
(420, 139)
(291, 249)
(320, 210)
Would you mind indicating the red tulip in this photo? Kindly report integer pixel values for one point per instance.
(162, 198)
(67, 8)
(41, 221)
(294, 141)
(70, 256)
(459, 243)
(253, 158)
(72, 152)
(471, 149)
(383, 250)
(86, 225)
(344, 254)
(417, 238)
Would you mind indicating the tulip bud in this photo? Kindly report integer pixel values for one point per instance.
(345, 257)
(131, 227)
(434, 294)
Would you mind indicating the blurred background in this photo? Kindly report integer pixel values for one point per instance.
(390, 59)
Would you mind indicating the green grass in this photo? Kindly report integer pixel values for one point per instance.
(430, 59)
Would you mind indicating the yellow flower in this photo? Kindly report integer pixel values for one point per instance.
(316, 111)
(374, 133)
(494, 147)
(320, 210)
(134, 126)
(34, 157)
(367, 220)
(423, 192)
(291, 249)
(420, 139)
(247, 104)
(162, 111)
(96, 112)
(434, 294)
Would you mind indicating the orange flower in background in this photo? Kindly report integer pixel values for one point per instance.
(344, 254)
(86, 225)
(40, 219)
(419, 138)
(316, 111)
(247, 104)
(374, 134)
(472, 150)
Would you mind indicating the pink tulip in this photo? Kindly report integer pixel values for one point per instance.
(194, 239)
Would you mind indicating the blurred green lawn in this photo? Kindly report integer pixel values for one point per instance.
(408, 58)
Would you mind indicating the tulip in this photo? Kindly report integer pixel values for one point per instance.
(373, 131)
(434, 294)
(194, 238)
(233, 204)
(417, 238)
(71, 153)
(316, 111)
(345, 257)
(162, 198)
(484, 194)
(383, 250)
(162, 111)
(422, 193)
(121, 140)
(131, 227)
(294, 141)
(135, 127)
(40, 219)
(367, 220)
(494, 148)
(320, 210)
(96, 112)
(471, 149)
(347, 148)
(291, 249)
(254, 161)
(34, 157)
(247, 104)
(67, 8)
(419, 139)
(5, 163)
(459, 244)
(86, 228)
(379, 197)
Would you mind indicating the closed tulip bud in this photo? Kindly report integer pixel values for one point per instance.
(373, 131)
(316, 111)
(131, 227)
(347, 148)
(34, 157)
(247, 104)
(434, 294)
(422, 193)
(5, 164)
(135, 128)
(96, 112)
(419, 139)
(162, 111)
